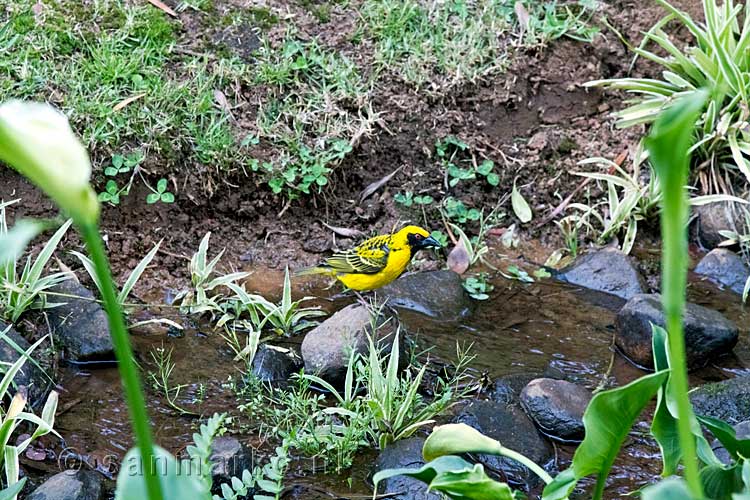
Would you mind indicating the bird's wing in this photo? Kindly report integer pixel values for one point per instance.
(369, 257)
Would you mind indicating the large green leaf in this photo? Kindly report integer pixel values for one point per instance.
(719, 482)
(179, 480)
(674, 488)
(608, 419)
(456, 478)
(726, 434)
(12, 491)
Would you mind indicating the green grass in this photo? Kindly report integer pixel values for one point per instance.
(88, 59)
(316, 106)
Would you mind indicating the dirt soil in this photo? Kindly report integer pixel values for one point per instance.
(535, 122)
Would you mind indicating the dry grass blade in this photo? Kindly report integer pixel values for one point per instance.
(344, 231)
(127, 101)
(161, 5)
(372, 188)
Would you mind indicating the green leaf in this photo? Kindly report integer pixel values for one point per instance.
(110, 171)
(493, 179)
(471, 484)
(520, 206)
(719, 482)
(117, 161)
(673, 488)
(14, 242)
(607, 420)
(167, 198)
(12, 491)
(153, 198)
(178, 480)
(161, 185)
(727, 436)
(428, 471)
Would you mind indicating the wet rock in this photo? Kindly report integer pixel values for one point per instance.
(406, 453)
(507, 389)
(229, 458)
(607, 270)
(713, 218)
(708, 333)
(742, 431)
(725, 268)
(80, 325)
(438, 294)
(276, 364)
(28, 376)
(69, 485)
(557, 407)
(728, 400)
(509, 425)
(327, 347)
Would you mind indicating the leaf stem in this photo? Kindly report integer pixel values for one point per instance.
(536, 469)
(128, 373)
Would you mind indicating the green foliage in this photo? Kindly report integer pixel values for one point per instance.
(124, 164)
(456, 211)
(199, 299)
(118, 50)
(716, 61)
(317, 106)
(408, 199)
(161, 379)
(478, 287)
(133, 277)
(160, 193)
(24, 289)
(14, 416)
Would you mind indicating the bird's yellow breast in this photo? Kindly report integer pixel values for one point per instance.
(398, 259)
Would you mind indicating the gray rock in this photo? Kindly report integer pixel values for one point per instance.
(81, 325)
(29, 376)
(327, 347)
(607, 270)
(509, 425)
(276, 364)
(725, 268)
(557, 407)
(741, 431)
(69, 485)
(713, 218)
(507, 389)
(438, 294)
(406, 453)
(708, 333)
(728, 400)
(229, 458)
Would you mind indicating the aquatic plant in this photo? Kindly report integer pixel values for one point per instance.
(24, 290)
(611, 414)
(12, 417)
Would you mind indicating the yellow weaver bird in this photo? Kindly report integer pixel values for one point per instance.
(377, 261)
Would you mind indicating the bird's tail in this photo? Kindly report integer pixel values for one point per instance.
(306, 271)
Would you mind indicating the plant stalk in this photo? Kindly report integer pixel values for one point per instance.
(130, 379)
(674, 281)
(536, 469)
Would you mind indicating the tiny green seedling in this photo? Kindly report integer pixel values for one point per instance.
(516, 273)
(455, 210)
(160, 193)
(478, 287)
(408, 199)
(441, 237)
(123, 164)
(112, 192)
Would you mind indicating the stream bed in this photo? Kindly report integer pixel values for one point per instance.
(547, 327)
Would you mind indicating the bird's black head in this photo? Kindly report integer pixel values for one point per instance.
(418, 241)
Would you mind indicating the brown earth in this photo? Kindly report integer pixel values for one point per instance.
(535, 122)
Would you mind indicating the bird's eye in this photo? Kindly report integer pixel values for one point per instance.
(419, 237)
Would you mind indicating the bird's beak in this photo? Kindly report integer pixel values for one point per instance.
(431, 242)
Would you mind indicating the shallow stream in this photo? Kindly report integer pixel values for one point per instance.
(522, 329)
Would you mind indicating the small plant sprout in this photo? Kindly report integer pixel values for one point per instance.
(160, 193)
(123, 164)
(112, 192)
(478, 287)
(135, 274)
